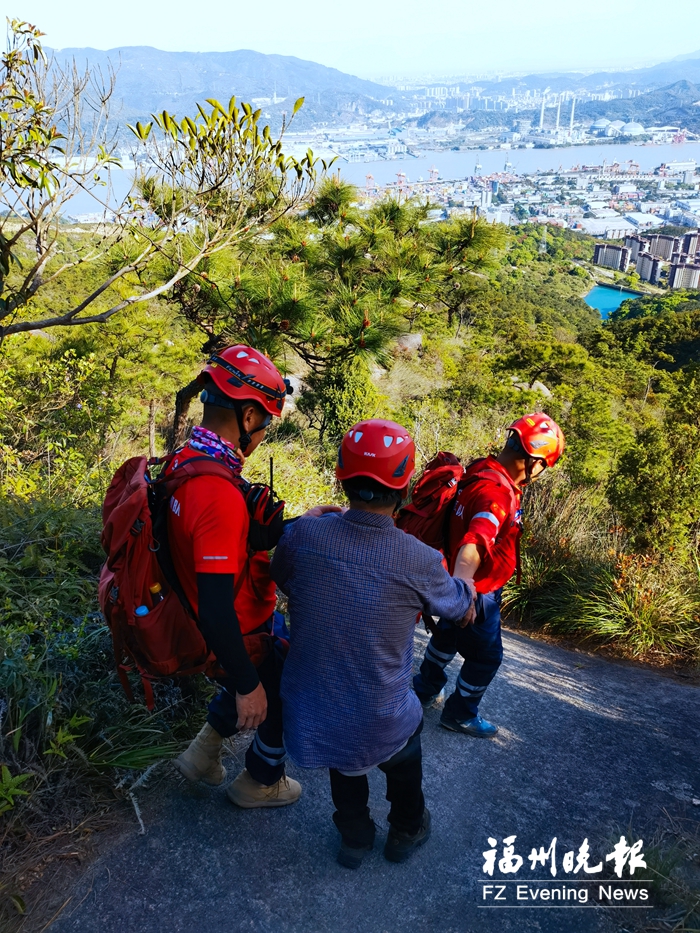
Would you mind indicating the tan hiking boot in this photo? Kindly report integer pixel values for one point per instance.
(247, 793)
(201, 760)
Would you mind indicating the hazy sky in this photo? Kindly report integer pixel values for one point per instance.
(385, 37)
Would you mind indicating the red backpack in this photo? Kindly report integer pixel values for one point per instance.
(164, 641)
(434, 495)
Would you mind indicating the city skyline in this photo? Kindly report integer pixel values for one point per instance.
(385, 39)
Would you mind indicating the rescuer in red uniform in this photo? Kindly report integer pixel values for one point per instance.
(227, 582)
(483, 545)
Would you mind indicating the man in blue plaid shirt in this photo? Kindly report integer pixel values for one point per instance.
(356, 586)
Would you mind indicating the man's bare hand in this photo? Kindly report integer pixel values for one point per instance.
(469, 617)
(252, 708)
(472, 588)
(470, 614)
(318, 510)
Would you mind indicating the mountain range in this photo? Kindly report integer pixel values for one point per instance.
(150, 80)
(675, 105)
(681, 68)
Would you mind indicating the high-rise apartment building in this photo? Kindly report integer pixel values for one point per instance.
(690, 243)
(662, 246)
(649, 268)
(636, 245)
(684, 275)
(612, 257)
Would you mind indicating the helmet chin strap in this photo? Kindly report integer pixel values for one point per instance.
(529, 466)
(245, 437)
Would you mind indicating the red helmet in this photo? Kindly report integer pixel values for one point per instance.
(244, 374)
(540, 436)
(380, 449)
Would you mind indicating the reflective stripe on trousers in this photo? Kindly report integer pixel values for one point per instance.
(480, 646)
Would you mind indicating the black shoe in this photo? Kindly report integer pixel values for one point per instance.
(350, 857)
(400, 845)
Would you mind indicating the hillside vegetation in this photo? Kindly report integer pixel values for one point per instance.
(611, 553)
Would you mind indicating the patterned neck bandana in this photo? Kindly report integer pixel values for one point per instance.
(214, 446)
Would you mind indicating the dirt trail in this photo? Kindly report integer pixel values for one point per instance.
(585, 745)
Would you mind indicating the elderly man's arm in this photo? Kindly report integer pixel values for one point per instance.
(282, 560)
(448, 597)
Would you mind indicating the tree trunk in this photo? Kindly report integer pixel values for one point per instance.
(152, 428)
(183, 400)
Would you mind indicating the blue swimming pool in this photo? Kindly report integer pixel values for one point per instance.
(607, 298)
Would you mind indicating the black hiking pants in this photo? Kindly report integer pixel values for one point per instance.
(266, 754)
(404, 791)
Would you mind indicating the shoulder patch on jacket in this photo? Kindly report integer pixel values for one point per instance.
(498, 510)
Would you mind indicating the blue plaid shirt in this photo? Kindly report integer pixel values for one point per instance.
(356, 584)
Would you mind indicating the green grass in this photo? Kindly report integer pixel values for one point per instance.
(68, 735)
(579, 581)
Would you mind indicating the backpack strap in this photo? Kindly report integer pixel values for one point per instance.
(161, 490)
(197, 466)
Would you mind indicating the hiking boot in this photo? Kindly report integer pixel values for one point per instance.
(248, 793)
(201, 760)
(426, 701)
(351, 857)
(477, 726)
(400, 845)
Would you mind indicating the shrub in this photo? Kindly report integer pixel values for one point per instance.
(656, 487)
(578, 580)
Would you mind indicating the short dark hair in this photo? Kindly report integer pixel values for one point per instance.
(367, 489)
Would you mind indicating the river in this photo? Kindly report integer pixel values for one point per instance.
(523, 161)
(454, 165)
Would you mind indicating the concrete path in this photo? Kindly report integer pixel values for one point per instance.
(585, 747)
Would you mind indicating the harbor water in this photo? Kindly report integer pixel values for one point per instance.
(453, 165)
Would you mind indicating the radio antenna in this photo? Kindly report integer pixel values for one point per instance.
(272, 477)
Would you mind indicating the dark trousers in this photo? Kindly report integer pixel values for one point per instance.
(266, 754)
(482, 649)
(404, 791)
